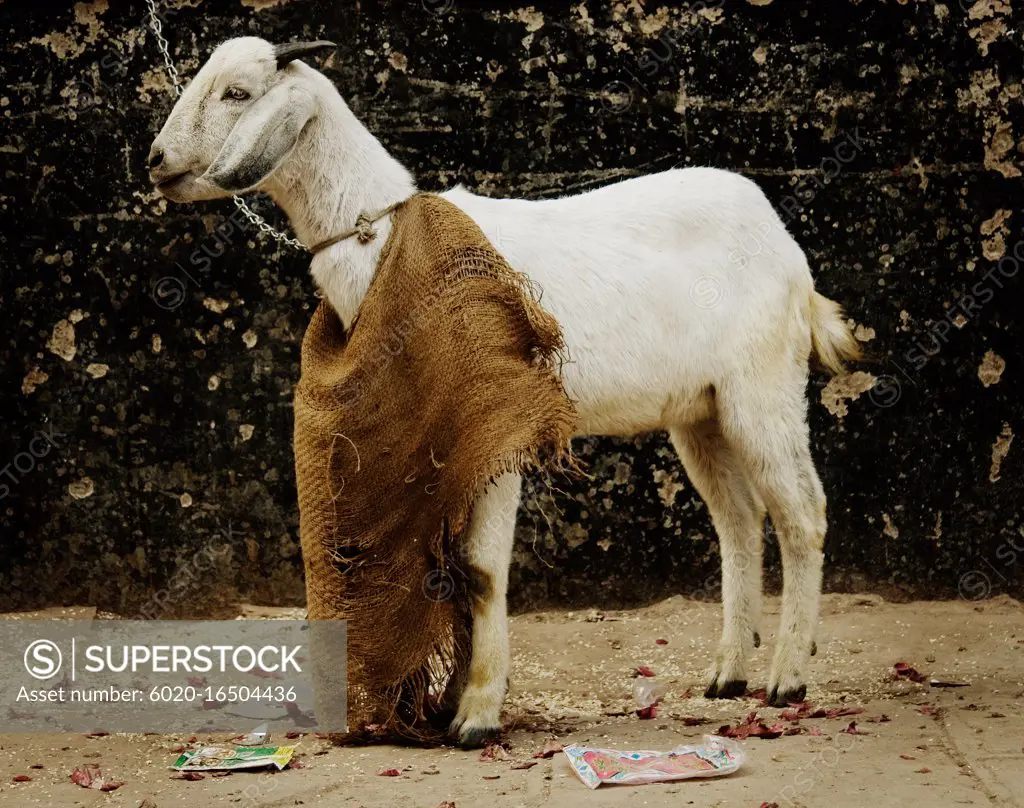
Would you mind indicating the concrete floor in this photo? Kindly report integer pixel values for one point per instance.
(572, 681)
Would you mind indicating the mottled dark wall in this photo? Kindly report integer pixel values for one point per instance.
(164, 382)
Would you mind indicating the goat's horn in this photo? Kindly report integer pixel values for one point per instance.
(288, 51)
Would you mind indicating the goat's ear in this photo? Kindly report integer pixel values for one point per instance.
(289, 51)
(261, 139)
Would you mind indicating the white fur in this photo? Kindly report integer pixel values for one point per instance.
(684, 303)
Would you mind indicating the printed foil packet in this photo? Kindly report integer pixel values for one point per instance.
(220, 758)
(713, 758)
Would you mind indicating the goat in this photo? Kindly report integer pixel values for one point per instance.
(672, 322)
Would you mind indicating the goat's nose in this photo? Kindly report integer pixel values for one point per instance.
(156, 157)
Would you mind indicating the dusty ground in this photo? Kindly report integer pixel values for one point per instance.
(572, 681)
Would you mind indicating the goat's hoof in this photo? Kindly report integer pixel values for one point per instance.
(475, 724)
(784, 698)
(814, 648)
(478, 736)
(726, 690)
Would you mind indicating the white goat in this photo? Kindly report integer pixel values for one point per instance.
(685, 306)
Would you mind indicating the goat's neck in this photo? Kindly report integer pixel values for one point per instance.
(337, 171)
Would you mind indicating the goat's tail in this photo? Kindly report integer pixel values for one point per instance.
(832, 341)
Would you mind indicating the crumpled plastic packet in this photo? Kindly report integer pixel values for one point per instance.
(221, 758)
(714, 758)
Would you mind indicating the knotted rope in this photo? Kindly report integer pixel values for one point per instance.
(364, 229)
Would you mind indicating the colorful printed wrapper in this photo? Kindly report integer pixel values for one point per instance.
(714, 758)
(219, 758)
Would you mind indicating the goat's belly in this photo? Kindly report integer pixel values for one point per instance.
(619, 417)
(629, 404)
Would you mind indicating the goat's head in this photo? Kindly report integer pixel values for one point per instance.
(237, 120)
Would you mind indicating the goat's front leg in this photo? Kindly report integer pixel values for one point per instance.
(488, 554)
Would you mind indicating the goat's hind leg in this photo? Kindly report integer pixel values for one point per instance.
(738, 516)
(488, 554)
(773, 440)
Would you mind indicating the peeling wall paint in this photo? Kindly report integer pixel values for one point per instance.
(991, 369)
(843, 388)
(1000, 449)
(158, 345)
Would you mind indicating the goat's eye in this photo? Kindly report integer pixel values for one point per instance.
(236, 94)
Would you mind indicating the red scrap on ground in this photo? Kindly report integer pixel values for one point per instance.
(389, 773)
(21, 778)
(901, 670)
(524, 764)
(190, 776)
(494, 751)
(551, 748)
(807, 710)
(642, 670)
(752, 727)
(660, 641)
(90, 776)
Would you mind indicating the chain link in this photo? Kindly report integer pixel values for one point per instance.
(158, 31)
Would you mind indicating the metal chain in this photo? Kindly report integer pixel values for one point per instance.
(157, 25)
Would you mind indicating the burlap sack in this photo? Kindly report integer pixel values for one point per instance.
(447, 378)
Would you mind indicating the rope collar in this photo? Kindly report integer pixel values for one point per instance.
(363, 229)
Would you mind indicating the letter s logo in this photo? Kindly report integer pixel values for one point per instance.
(43, 659)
